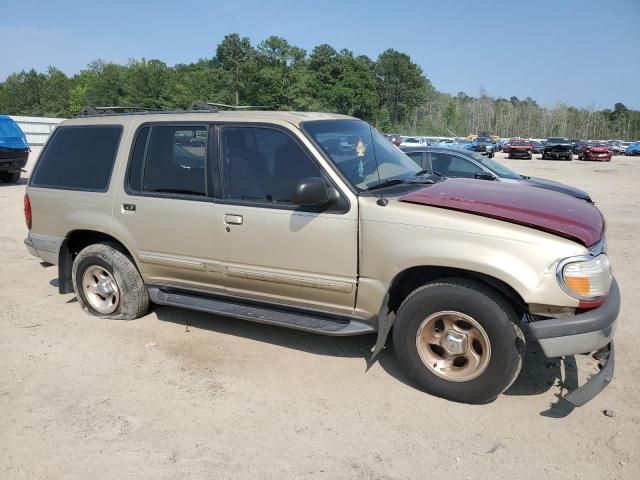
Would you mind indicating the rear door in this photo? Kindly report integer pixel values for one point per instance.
(274, 250)
(165, 213)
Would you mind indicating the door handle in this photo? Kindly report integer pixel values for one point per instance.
(128, 207)
(233, 219)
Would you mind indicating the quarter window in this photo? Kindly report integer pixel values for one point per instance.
(79, 158)
(263, 165)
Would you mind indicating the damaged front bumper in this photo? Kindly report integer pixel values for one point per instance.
(587, 332)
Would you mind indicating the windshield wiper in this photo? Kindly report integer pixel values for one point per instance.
(432, 172)
(397, 181)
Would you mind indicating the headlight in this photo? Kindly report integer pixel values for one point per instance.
(585, 278)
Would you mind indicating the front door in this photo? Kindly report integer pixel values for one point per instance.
(166, 213)
(274, 250)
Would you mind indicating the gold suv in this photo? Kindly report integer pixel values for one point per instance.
(316, 222)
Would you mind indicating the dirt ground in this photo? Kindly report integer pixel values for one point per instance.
(82, 398)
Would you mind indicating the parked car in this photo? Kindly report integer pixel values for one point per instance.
(413, 142)
(557, 148)
(466, 164)
(595, 151)
(519, 149)
(633, 149)
(537, 147)
(506, 145)
(394, 138)
(624, 147)
(574, 145)
(316, 222)
(14, 150)
(615, 146)
(483, 145)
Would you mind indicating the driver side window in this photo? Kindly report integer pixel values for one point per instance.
(453, 166)
(263, 165)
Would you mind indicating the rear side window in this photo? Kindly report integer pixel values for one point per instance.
(79, 158)
(169, 159)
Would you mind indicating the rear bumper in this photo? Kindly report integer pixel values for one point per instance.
(587, 332)
(45, 247)
(11, 165)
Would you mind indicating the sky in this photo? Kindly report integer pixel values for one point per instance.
(584, 53)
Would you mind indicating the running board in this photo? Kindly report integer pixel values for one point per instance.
(296, 319)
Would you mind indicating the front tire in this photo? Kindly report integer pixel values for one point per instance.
(458, 339)
(10, 177)
(107, 283)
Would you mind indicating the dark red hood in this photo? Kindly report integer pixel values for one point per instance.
(541, 209)
(520, 147)
(599, 149)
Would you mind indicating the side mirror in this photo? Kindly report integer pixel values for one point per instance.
(484, 176)
(312, 191)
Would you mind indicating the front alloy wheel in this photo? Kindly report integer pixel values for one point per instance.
(459, 339)
(453, 345)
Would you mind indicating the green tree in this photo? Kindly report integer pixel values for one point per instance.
(236, 58)
(401, 85)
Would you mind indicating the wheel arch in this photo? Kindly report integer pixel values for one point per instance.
(411, 278)
(74, 242)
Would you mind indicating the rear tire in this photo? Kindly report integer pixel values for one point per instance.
(107, 283)
(466, 309)
(10, 177)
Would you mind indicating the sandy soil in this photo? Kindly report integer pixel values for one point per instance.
(151, 399)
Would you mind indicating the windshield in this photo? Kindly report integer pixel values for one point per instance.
(496, 167)
(8, 128)
(520, 144)
(356, 148)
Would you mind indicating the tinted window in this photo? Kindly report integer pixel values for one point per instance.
(79, 158)
(453, 166)
(263, 164)
(174, 162)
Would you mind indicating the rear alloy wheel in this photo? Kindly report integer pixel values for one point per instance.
(459, 340)
(107, 283)
(10, 177)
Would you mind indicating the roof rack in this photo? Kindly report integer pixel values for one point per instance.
(224, 106)
(92, 111)
(196, 107)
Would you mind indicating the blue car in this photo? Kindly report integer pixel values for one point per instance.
(483, 145)
(14, 150)
(633, 149)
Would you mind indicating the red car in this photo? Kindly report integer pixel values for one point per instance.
(520, 149)
(598, 152)
(393, 138)
(507, 145)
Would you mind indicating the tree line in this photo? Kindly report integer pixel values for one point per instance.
(392, 92)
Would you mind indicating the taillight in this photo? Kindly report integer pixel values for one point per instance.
(27, 211)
